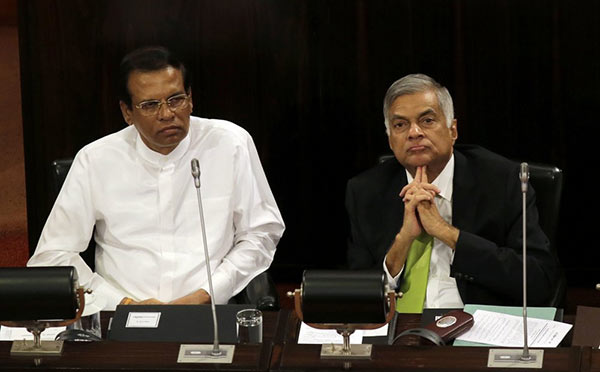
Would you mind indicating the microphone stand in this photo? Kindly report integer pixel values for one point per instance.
(513, 357)
(524, 175)
(203, 353)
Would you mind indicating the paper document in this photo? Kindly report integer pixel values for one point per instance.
(18, 333)
(381, 331)
(310, 335)
(507, 330)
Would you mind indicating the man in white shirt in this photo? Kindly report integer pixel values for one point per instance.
(135, 186)
(465, 197)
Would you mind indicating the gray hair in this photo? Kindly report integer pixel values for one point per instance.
(416, 83)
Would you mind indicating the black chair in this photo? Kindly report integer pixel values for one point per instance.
(261, 290)
(547, 181)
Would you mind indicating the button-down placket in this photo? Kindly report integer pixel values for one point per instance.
(167, 229)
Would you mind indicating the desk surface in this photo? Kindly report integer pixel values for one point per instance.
(406, 355)
(279, 352)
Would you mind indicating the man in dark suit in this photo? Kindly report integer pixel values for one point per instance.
(466, 198)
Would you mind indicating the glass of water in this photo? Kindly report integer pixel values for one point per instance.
(90, 324)
(249, 326)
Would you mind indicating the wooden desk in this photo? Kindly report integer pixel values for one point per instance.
(130, 356)
(279, 352)
(590, 360)
(142, 356)
(291, 357)
(407, 356)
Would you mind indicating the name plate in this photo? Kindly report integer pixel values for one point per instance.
(143, 320)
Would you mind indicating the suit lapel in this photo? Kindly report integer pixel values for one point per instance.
(392, 202)
(399, 181)
(463, 210)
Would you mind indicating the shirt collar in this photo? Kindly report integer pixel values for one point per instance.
(159, 159)
(443, 180)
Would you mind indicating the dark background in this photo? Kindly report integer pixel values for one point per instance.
(307, 78)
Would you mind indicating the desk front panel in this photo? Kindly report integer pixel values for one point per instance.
(142, 356)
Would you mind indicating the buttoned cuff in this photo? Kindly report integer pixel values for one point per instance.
(392, 280)
(222, 287)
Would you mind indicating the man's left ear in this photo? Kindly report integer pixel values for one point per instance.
(126, 112)
(453, 129)
(191, 101)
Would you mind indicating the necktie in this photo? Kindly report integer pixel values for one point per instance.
(416, 271)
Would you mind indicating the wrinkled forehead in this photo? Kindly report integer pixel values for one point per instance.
(415, 104)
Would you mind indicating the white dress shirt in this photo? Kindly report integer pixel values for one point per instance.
(144, 207)
(442, 291)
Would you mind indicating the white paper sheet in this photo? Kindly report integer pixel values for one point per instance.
(507, 330)
(18, 333)
(310, 335)
(381, 331)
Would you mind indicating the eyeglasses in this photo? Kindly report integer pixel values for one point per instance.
(152, 107)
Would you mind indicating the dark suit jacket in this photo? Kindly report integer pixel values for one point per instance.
(486, 208)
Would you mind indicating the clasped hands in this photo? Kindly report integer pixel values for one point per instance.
(421, 213)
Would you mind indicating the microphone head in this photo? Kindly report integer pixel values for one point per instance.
(524, 176)
(195, 168)
(196, 172)
(524, 173)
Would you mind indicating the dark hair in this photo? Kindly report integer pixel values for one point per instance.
(148, 59)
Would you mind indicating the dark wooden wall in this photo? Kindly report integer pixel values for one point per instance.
(307, 77)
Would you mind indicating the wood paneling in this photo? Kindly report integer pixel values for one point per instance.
(13, 217)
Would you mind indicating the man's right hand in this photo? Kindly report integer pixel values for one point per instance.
(413, 194)
(149, 301)
(417, 191)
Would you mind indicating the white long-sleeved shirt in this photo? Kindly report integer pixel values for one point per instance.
(144, 206)
(442, 291)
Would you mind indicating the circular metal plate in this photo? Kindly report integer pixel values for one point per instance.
(446, 322)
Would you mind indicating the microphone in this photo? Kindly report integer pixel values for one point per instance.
(524, 177)
(500, 357)
(202, 353)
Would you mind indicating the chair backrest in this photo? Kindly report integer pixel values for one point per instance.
(60, 169)
(547, 180)
(385, 157)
